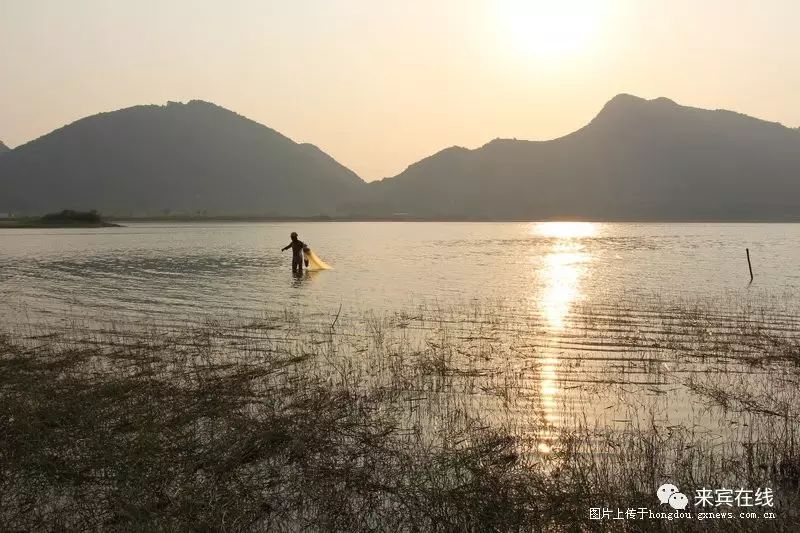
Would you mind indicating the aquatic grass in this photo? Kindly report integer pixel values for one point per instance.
(431, 419)
(182, 441)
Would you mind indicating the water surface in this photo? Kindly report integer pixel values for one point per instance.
(185, 270)
(586, 313)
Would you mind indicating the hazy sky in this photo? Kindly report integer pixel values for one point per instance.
(379, 84)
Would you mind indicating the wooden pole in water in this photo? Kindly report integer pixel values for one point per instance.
(750, 266)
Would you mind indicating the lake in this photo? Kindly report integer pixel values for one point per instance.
(187, 270)
(588, 313)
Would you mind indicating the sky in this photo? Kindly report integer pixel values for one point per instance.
(378, 84)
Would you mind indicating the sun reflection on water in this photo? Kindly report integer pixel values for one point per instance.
(562, 270)
(548, 388)
(565, 264)
(564, 230)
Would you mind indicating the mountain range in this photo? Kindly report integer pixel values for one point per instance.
(636, 160)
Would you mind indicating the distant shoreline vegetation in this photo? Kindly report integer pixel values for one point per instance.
(93, 219)
(66, 218)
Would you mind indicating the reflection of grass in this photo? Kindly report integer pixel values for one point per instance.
(430, 420)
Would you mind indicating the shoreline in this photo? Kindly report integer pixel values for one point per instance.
(43, 225)
(223, 218)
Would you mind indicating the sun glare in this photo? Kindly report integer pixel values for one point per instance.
(565, 266)
(564, 230)
(551, 30)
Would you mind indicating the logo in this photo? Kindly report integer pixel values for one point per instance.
(669, 493)
(708, 504)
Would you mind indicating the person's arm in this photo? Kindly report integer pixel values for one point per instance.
(286, 247)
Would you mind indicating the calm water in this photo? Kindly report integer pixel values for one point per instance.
(187, 270)
(610, 362)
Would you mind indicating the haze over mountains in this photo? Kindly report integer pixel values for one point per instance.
(638, 159)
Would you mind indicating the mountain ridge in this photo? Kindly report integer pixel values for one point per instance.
(635, 159)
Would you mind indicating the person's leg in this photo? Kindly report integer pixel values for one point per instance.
(295, 263)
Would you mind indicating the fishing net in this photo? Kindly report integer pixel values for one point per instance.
(314, 262)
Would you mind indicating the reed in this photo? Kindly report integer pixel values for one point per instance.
(430, 419)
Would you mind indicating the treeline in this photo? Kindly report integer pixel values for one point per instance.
(68, 215)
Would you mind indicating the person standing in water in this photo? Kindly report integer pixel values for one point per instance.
(297, 247)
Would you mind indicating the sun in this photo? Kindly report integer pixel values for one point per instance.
(551, 30)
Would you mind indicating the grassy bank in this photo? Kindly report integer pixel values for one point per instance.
(423, 421)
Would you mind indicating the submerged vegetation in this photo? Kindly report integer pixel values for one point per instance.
(461, 419)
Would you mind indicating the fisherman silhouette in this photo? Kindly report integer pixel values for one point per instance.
(297, 247)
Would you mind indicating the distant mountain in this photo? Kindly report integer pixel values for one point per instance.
(178, 158)
(638, 159)
(4, 148)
